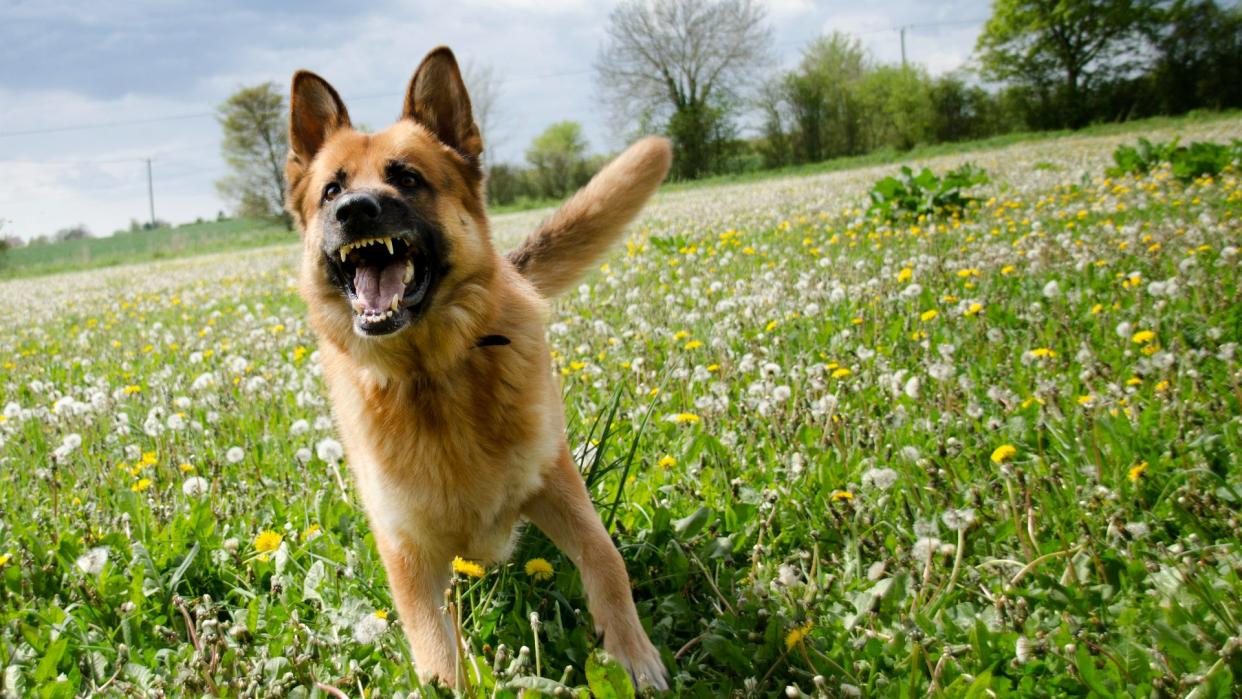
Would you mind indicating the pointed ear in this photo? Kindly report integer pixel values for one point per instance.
(315, 113)
(437, 99)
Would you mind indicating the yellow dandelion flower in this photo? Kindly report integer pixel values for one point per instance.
(841, 373)
(928, 315)
(1042, 352)
(680, 335)
(149, 458)
(1008, 269)
(1133, 381)
(1162, 387)
(467, 568)
(5, 558)
(267, 541)
(973, 310)
(686, 419)
(771, 326)
(1004, 453)
(713, 367)
(381, 614)
(539, 569)
(185, 468)
(667, 461)
(1086, 400)
(1142, 337)
(1136, 471)
(857, 320)
(1097, 309)
(693, 344)
(842, 495)
(905, 274)
(141, 485)
(797, 634)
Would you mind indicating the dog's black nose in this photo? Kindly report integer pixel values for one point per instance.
(358, 208)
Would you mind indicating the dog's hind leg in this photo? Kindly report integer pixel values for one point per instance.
(564, 512)
(418, 590)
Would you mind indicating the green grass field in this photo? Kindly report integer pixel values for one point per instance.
(989, 455)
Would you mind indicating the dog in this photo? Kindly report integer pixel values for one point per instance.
(434, 352)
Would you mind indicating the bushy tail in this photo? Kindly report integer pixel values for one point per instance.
(566, 245)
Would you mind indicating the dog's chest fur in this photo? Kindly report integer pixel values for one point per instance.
(447, 463)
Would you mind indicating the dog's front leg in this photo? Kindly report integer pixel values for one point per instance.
(563, 511)
(418, 583)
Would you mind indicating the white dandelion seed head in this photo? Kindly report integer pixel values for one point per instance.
(879, 478)
(957, 520)
(369, 628)
(195, 486)
(1052, 289)
(234, 455)
(92, 562)
(329, 450)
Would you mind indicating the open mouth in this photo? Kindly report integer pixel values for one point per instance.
(386, 280)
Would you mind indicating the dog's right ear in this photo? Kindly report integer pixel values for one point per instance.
(315, 113)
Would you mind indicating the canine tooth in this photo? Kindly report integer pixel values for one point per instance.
(396, 302)
(409, 272)
(388, 243)
(344, 253)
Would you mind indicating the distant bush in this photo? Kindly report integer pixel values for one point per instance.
(1186, 162)
(908, 195)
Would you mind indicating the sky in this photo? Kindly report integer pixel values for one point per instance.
(90, 90)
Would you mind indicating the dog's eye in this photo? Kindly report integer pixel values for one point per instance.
(410, 180)
(331, 191)
(399, 176)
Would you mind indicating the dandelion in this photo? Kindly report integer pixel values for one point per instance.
(1137, 471)
(5, 558)
(1042, 352)
(780, 394)
(1086, 400)
(92, 562)
(267, 541)
(234, 455)
(195, 486)
(369, 628)
(842, 495)
(667, 461)
(879, 478)
(1052, 289)
(958, 520)
(329, 450)
(972, 310)
(693, 345)
(539, 569)
(141, 485)
(685, 419)
(1004, 453)
(797, 634)
(1142, 337)
(185, 468)
(929, 315)
(467, 568)
(841, 373)
(905, 275)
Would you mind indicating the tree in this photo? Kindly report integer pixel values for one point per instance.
(558, 156)
(254, 146)
(1059, 49)
(71, 233)
(688, 63)
(1198, 56)
(824, 97)
(898, 104)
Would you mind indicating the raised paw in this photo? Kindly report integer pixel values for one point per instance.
(639, 657)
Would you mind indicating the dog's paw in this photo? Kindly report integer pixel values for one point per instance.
(641, 659)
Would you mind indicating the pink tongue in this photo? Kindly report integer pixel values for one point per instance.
(376, 286)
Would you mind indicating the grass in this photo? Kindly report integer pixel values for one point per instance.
(143, 246)
(993, 455)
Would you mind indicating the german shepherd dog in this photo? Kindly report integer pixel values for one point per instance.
(434, 353)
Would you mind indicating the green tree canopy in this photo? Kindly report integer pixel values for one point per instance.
(558, 156)
(1061, 48)
(255, 144)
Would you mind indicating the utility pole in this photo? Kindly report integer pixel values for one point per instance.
(903, 45)
(151, 192)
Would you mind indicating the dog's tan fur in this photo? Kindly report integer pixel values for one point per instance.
(453, 444)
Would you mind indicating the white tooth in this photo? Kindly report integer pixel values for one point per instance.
(409, 272)
(396, 301)
(388, 243)
(359, 306)
(343, 252)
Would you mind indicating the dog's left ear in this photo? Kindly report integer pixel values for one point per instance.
(437, 99)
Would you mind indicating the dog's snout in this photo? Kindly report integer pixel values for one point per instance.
(358, 208)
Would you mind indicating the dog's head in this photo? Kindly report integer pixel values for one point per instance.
(393, 226)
